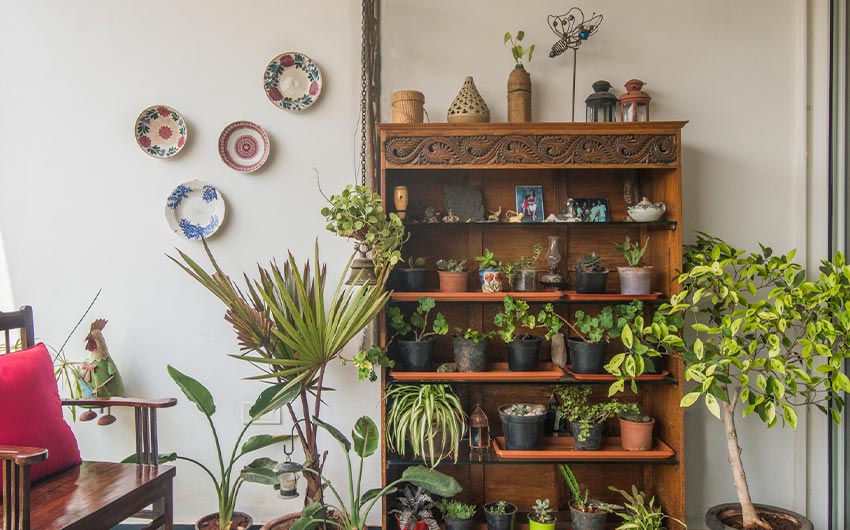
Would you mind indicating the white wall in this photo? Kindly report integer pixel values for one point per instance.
(727, 66)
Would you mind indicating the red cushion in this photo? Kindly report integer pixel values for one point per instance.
(31, 410)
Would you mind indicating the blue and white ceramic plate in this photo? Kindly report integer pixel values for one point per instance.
(195, 210)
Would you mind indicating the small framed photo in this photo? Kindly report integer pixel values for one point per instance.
(592, 210)
(529, 203)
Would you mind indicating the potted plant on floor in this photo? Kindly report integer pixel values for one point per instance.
(638, 513)
(513, 321)
(412, 276)
(593, 332)
(489, 272)
(522, 425)
(457, 515)
(591, 276)
(585, 514)
(470, 349)
(454, 278)
(762, 355)
(417, 349)
(635, 428)
(634, 279)
(415, 510)
(364, 441)
(500, 515)
(542, 517)
(587, 422)
(520, 274)
(428, 417)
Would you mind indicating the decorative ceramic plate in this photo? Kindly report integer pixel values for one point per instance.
(161, 131)
(195, 210)
(244, 146)
(292, 81)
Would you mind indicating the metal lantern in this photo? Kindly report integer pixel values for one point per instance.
(362, 267)
(634, 104)
(287, 474)
(601, 105)
(479, 429)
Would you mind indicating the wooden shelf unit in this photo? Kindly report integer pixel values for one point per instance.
(578, 160)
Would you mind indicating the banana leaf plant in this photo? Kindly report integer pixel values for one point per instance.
(290, 326)
(353, 515)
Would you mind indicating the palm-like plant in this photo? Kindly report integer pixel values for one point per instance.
(286, 328)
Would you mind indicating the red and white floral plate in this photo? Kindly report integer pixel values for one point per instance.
(244, 146)
(292, 81)
(161, 131)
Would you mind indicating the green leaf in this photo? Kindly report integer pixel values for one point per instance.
(263, 440)
(365, 437)
(343, 441)
(259, 475)
(432, 480)
(790, 415)
(310, 517)
(520, 35)
(374, 493)
(162, 458)
(274, 397)
(194, 391)
(627, 337)
(712, 405)
(689, 399)
(507, 37)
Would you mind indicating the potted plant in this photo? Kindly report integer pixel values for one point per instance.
(512, 321)
(415, 510)
(640, 514)
(635, 428)
(364, 440)
(752, 353)
(489, 272)
(587, 422)
(227, 485)
(457, 515)
(592, 334)
(416, 350)
(500, 515)
(470, 349)
(453, 276)
(585, 514)
(428, 417)
(634, 279)
(519, 82)
(591, 276)
(522, 425)
(519, 273)
(412, 277)
(542, 517)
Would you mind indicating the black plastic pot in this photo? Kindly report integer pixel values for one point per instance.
(591, 282)
(587, 357)
(522, 433)
(411, 280)
(469, 355)
(592, 442)
(458, 524)
(500, 521)
(416, 355)
(715, 515)
(524, 354)
(587, 521)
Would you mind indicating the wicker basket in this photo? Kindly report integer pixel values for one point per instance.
(408, 106)
(519, 96)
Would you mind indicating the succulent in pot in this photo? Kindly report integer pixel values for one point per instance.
(416, 351)
(522, 424)
(500, 515)
(542, 517)
(430, 418)
(591, 276)
(470, 349)
(635, 428)
(593, 332)
(454, 277)
(585, 513)
(587, 421)
(415, 510)
(520, 273)
(457, 515)
(638, 513)
(513, 321)
(489, 272)
(634, 279)
(412, 275)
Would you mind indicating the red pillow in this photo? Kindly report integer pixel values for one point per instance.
(31, 410)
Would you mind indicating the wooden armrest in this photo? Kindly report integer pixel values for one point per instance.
(23, 456)
(120, 402)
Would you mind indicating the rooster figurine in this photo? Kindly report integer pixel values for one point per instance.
(99, 377)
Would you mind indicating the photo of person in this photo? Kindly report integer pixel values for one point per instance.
(529, 203)
(591, 210)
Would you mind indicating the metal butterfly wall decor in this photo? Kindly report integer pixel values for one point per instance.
(572, 29)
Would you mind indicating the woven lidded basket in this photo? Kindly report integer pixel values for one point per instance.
(408, 106)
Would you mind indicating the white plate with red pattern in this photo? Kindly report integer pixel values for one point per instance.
(293, 81)
(244, 146)
(161, 131)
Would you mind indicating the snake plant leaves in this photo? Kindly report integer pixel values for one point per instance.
(194, 391)
(343, 441)
(274, 397)
(365, 437)
(432, 480)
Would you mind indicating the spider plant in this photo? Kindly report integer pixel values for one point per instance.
(429, 417)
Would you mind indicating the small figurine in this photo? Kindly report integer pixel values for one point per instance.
(493, 216)
(432, 215)
(99, 377)
(451, 218)
(513, 217)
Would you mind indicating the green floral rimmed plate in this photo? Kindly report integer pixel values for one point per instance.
(161, 131)
(293, 81)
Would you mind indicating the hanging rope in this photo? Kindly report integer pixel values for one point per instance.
(369, 91)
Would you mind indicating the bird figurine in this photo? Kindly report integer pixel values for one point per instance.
(99, 377)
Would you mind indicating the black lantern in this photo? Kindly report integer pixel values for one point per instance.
(601, 105)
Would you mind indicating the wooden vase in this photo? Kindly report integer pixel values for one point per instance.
(519, 95)
(400, 200)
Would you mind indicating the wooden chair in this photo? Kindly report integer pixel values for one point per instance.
(93, 495)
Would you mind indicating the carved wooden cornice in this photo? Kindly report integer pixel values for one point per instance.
(519, 149)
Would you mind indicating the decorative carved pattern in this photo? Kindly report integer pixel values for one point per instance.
(532, 149)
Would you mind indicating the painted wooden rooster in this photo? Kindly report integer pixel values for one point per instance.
(99, 377)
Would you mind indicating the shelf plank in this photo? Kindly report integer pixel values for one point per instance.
(474, 296)
(608, 378)
(671, 225)
(496, 373)
(562, 449)
(572, 296)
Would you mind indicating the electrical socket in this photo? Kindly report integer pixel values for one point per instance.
(273, 417)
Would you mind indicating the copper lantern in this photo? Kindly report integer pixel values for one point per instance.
(634, 104)
(601, 105)
(479, 429)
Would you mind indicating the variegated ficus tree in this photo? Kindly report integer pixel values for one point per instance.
(763, 340)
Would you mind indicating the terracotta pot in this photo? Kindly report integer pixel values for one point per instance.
(716, 514)
(241, 521)
(453, 282)
(636, 436)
